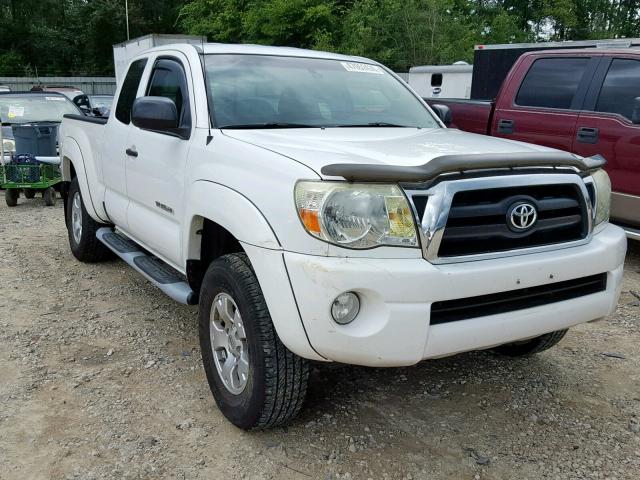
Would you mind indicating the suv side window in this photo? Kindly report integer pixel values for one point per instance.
(169, 80)
(621, 86)
(552, 82)
(129, 90)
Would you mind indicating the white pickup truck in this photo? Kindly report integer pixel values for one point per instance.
(316, 209)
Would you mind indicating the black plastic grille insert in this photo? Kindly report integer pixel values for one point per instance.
(495, 303)
(478, 221)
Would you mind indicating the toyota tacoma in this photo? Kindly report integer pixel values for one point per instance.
(316, 209)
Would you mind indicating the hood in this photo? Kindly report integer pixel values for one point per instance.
(316, 147)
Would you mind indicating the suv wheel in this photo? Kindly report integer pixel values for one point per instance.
(255, 380)
(531, 346)
(82, 229)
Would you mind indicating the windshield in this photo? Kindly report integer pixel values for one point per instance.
(34, 108)
(259, 91)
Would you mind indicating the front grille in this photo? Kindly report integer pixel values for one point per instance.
(495, 303)
(478, 219)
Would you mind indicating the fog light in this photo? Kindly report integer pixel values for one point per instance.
(345, 308)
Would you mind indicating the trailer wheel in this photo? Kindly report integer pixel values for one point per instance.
(29, 193)
(49, 196)
(11, 197)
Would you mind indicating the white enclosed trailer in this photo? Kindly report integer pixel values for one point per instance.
(123, 52)
(445, 81)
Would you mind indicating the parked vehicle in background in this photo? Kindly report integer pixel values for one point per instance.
(4, 89)
(315, 208)
(582, 101)
(28, 137)
(31, 107)
(492, 63)
(101, 104)
(448, 81)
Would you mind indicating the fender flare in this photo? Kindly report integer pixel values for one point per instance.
(244, 220)
(229, 209)
(72, 154)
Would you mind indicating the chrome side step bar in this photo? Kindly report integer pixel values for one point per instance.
(632, 233)
(171, 282)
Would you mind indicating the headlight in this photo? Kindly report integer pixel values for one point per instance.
(356, 215)
(603, 195)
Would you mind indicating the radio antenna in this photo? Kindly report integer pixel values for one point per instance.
(206, 87)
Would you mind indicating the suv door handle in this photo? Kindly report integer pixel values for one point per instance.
(131, 152)
(505, 126)
(588, 135)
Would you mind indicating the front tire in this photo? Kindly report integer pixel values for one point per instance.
(11, 196)
(531, 346)
(82, 229)
(255, 380)
(29, 193)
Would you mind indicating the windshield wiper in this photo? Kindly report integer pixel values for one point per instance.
(377, 124)
(269, 125)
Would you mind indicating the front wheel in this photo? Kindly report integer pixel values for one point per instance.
(29, 193)
(255, 380)
(11, 197)
(82, 229)
(531, 346)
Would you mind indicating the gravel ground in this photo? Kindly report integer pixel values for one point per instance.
(101, 378)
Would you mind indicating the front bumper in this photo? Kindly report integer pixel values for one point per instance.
(392, 328)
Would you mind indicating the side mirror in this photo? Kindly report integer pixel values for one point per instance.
(635, 116)
(158, 114)
(443, 112)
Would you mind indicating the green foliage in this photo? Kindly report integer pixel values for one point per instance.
(76, 36)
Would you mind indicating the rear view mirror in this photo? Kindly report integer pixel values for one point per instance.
(443, 112)
(158, 114)
(635, 116)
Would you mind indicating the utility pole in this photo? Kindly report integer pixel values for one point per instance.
(126, 13)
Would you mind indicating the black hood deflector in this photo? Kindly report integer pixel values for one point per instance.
(460, 164)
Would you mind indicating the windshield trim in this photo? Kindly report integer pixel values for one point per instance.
(363, 60)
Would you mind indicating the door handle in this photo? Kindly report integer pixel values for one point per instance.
(131, 152)
(588, 135)
(505, 126)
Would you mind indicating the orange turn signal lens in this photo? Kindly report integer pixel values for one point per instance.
(310, 220)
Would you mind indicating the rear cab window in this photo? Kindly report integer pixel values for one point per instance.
(129, 90)
(620, 88)
(552, 83)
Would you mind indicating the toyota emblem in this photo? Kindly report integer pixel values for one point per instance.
(522, 216)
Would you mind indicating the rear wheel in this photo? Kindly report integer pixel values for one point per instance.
(49, 197)
(29, 193)
(11, 197)
(531, 346)
(82, 229)
(255, 380)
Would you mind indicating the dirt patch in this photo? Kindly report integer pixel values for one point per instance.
(101, 378)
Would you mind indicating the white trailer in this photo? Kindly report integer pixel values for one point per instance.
(123, 52)
(442, 81)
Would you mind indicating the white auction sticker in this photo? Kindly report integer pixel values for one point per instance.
(55, 99)
(362, 68)
(15, 111)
